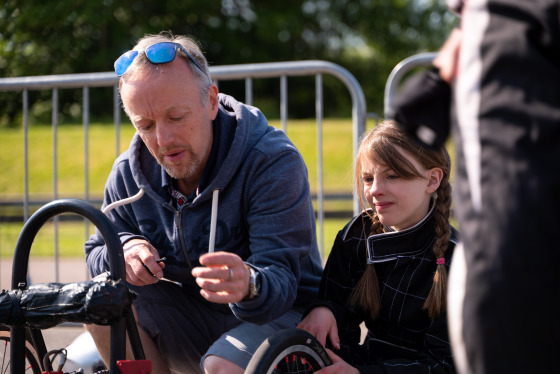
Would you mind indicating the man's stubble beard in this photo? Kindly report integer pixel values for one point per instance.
(183, 172)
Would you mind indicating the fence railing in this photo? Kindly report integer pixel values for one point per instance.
(246, 72)
(398, 73)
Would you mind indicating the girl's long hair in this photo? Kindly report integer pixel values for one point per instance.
(379, 146)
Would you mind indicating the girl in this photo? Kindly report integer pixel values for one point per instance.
(388, 266)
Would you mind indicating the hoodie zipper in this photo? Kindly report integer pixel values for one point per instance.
(179, 227)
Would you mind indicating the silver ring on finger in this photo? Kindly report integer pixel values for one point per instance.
(230, 274)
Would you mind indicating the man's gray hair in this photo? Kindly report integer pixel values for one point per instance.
(201, 77)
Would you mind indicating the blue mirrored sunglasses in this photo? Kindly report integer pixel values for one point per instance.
(159, 53)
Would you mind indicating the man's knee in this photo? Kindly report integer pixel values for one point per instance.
(218, 365)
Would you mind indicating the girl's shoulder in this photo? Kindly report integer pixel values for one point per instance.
(453, 242)
(455, 236)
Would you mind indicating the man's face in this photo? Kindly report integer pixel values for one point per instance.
(166, 110)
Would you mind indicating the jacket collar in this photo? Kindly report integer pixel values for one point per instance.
(409, 242)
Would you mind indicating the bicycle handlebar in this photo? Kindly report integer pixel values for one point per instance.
(21, 260)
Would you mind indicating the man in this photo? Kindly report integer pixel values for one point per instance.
(190, 142)
(507, 133)
(504, 285)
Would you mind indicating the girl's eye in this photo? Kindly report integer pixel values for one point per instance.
(367, 179)
(392, 176)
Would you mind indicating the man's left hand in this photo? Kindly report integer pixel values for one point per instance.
(223, 278)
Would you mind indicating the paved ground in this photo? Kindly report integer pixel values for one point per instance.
(61, 336)
(44, 270)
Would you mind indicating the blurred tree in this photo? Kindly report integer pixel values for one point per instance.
(366, 37)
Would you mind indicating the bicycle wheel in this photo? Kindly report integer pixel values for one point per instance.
(290, 351)
(31, 359)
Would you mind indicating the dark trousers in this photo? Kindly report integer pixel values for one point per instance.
(182, 324)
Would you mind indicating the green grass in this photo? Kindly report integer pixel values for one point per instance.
(70, 160)
(337, 152)
(337, 159)
(71, 235)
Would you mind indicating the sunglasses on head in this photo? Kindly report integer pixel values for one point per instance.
(159, 53)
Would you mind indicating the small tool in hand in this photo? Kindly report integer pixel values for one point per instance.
(163, 259)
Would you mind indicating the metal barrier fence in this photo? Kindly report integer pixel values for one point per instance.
(398, 73)
(246, 72)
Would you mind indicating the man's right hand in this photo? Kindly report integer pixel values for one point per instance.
(140, 261)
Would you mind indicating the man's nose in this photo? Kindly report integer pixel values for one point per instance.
(164, 134)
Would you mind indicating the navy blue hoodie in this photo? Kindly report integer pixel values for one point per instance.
(265, 214)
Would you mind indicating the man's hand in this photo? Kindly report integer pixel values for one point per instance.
(223, 278)
(140, 261)
(448, 56)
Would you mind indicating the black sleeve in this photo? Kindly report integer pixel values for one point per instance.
(344, 268)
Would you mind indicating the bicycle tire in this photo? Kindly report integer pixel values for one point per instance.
(31, 357)
(289, 351)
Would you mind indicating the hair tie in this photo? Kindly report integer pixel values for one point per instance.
(440, 261)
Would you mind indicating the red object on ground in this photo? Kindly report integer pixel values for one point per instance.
(135, 367)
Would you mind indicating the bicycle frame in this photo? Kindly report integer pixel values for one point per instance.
(117, 271)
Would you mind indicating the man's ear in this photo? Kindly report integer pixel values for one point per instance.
(213, 103)
(434, 179)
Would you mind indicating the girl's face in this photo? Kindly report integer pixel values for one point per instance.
(400, 203)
